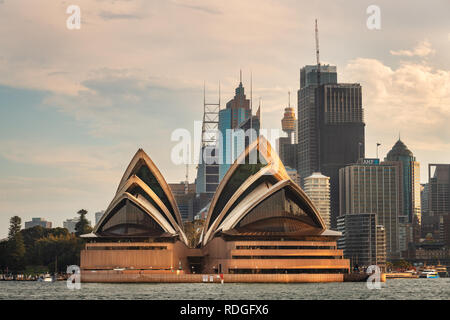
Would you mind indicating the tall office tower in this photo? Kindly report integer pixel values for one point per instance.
(429, 224)
(317, 187)
(373, 188)
(230, 119)
(436, 201)
(251, 126)
(409, 177)
(330, 127)
(287, 151)
(424, 195)
(359, 238)
(439, 189)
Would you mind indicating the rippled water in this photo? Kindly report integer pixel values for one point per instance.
(392, 289)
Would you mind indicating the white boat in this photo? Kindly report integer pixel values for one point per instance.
(45, 278)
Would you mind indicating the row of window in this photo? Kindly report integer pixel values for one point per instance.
(127, 248)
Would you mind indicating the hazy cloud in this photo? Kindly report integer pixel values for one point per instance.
(107, 15)
(422, 49)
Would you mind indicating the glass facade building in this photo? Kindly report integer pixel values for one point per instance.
(371, 188)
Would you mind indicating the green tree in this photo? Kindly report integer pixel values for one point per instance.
(15, 224)
(16, 252)
(65, 248)
(83, 226)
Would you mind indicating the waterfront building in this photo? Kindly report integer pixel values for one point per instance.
(381, 247)
(38, 222)
(330, 127)
(317, 187)
(261, 222)
(260, 227)
(142, 227)
(362, 241)
(409, 189)
(369, 187)
(70, 224)
(446, 230)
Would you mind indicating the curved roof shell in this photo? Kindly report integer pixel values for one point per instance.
(257, 195)
(143, 204)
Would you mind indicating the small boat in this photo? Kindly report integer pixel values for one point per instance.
(429, 274)
(46, 278)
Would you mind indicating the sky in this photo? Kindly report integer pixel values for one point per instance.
(75, 105)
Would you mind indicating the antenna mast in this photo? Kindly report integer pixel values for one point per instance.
(251, 102)
(317, 54)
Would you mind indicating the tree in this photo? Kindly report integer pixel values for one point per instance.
(15, 224)
(193, 230)
(16, 252)
(83, 226)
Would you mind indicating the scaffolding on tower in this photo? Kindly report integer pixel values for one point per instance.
(207, 178)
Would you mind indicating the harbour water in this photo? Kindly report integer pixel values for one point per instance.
(402, 289)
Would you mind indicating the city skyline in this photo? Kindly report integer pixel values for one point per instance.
(71, 118)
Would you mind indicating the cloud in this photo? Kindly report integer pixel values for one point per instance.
(108, 15)
(422, 49)
(413, 99)
(196, 5)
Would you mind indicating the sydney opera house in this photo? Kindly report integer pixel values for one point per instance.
(260, 227)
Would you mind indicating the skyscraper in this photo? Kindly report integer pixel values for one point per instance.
(410, 179)
(409, 188)
(439, 189)
(373, 188)
(232, 123)
(330, 127)
(436, 203)
(359, 238)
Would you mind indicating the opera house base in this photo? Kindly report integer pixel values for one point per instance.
(238, 261)
(134, 276)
